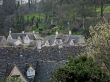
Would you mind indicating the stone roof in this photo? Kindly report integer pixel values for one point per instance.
(45, 69)
(22, 35)
(23, 56)
(1, 38)
(16, 35)
(65, 38)
(76, 38)
(32, 36)
(50, 39)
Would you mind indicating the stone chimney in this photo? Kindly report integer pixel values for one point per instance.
(23, 32)
(10, 31)
(70, 32)
(56, 33)
(33, 32)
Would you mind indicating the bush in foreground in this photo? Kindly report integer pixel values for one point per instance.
(80, 69)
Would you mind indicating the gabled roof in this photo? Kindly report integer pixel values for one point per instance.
(32, 36)
(22, 35)
(16, 72)
(63, 37)
(38, 37)
(52, 38)
(1, 38)
(16, 35)
(66, 39)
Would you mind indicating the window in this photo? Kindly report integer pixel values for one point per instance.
(47, 43)
(30, 73)
(60, 41)
(72, 42)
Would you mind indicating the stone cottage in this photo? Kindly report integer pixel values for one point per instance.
(61, 40)
(35, 40)
(24, 39)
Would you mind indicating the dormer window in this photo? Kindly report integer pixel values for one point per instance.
(9, 37)
(30, 73)
(54, 43)
(19, 38)
(26, 40)
(47, 43)
(39, 44)
(17, 43)
(60, 41)
(72, 42)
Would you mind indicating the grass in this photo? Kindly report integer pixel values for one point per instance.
(36, 15)
(106, 9)
(30, 16)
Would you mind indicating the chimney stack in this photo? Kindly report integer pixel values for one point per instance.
(33, 32)
(70, 32)
(23, 32)
(10, 31)
(56, 32)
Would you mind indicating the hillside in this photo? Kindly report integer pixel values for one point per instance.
(47, 17)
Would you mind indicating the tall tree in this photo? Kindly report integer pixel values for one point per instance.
(84, 8)
(99, 44)
(101, 7)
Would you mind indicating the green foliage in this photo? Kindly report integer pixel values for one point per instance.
(98, 45)
(18, 23)
(14, 79)
(36, 15)
(80, 69)
(106, 9)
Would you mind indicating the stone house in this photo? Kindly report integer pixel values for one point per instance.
(61, 40)
(34, 39)
(24, 38)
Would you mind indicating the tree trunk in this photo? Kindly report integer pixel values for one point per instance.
(83, 23)
(102, 8)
